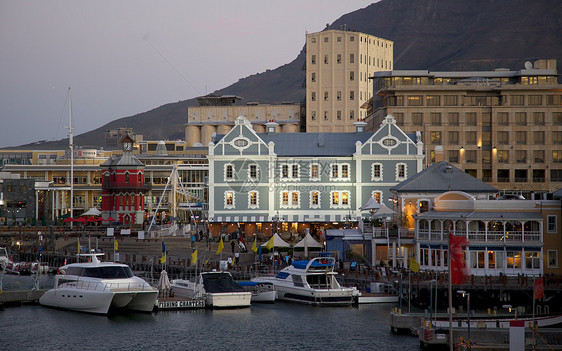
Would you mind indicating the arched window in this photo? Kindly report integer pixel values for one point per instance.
(126, 177)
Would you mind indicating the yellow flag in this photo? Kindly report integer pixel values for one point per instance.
(194, 257)
(255, 247)
(221, 246)
(269, 245)
(163, 258)
(78, 245)
(115, 246)
(207, 260)
(414, 265)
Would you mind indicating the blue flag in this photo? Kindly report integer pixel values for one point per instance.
(40, 251)
(163, 247)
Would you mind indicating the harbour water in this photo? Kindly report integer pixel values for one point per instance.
(279, 326)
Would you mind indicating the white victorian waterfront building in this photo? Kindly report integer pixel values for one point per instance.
(263, 181)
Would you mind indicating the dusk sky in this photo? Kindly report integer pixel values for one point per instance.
(121, 58)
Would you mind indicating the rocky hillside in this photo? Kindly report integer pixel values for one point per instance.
(428, 34)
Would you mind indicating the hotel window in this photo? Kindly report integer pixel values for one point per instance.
(552, 258)
(521, 118)
(435, 118)
(470, 156)
(538, 118)
(351, 75)
(517, 100)
(325, 96)
(556, 156)
(417, 118)
(554, 100)
(315, 171)
(253, 170)
(432, 100)
(314, 199)
(338, 115)
(557, 137)
(521, 138)
(229, 199)
(557, 118)
(450, 100)
(351, 58)
(470, 138)
(521, 156)
(252, 199)
(338, 95)
(313, 77)
(313, 96)
(503, 118)
(351, 95)
(503, 156)
(503, 138)
(538, 156)
(453, 156)
(415, 100)
(229, 172)
(376, 171)
(313, 59)
(535, 100)
(325, 115)
(400, 171)
(326, 59)
(538, 138)
(453, 118)
(436, 138)
(471, 119)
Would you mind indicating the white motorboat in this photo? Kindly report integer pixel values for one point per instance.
(311, 282)
(98, 287)
(217, 288)
(261, 292)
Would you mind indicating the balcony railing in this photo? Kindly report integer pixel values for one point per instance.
(482, 236)
(113, 186)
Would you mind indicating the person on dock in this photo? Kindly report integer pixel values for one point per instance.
(232, 244)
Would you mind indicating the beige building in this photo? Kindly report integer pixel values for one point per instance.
(217, 114)
(338, 66)
(503, 127)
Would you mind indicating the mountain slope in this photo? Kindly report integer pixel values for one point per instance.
(427, 34)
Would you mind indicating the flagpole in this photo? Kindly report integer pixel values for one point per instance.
(450, 297)
(113, 248)
(533, 326)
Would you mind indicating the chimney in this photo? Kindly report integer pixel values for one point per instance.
(360, 126)
(271, 127)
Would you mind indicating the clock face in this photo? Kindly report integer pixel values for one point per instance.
(127, 146)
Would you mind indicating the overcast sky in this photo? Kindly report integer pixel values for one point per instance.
(121, 58)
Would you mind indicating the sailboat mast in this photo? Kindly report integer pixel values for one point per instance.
(71, 146)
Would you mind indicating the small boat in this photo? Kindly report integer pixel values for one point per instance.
(217, 288)
(311, 282)
(98, 287)
(18, 268)
(261, 292)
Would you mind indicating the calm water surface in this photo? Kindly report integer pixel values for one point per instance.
(279, 326)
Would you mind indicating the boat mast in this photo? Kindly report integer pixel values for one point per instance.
(71, 146)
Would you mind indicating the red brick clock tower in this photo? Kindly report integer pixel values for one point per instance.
(123, 186)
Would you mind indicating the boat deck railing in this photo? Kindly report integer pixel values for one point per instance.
(102, 286)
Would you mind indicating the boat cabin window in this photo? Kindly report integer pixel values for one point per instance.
(297, 280)
(74, 271)
(115, 272)
(319, 281)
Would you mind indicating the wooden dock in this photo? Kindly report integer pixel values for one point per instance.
(19, 297)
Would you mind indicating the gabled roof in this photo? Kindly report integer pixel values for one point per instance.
(441, 177)
(123, 160)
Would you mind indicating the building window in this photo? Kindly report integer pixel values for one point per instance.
(399, 116)
(538, 118)
(351, 58)
(415, 100)
(376, 171)
(535, 100)
(520, 118)
(433, 100)
(295, 173)
(284, 171)
(517, 100)
(313, 96)
(532, 260)
(339, 171)
(538, 156)
(417, 118)
(436, 138)
(290, 199)
(538, 138)
(503, 118)
(315, 171)
(471, 119)
(313, 77)
(377, 195)
(314, 199)
(554, 100)
(229, 172)
(253, 199)
(557, 156)
(552, 258)
(552, 224)
(126, 177)
(351, 75)
(313, 59)
(325, 115)
(325, 39)
(338, 115)
(556, 175)
(340, 199)
(351, 95)
(313, 115)
(557, 118)
(339, 39)
(325, 96)
(503, 138)
(351, 38)
(450, 100)
(338, 95)
(503, 175)
(453, 156)
(521, 156)
(470, 138)
(470, 156)
(453, 118)
(285, 198)
(453, 138)
(229, 199)
(520, 175)
(435, 118)
(503, 156)
(521, 138)
(557, 137)
(351, 114)
(253, 171)
(326, 59)
(538, 176)
(401, 171)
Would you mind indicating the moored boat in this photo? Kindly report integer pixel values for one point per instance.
(217, 288)
(311, 282)
(98, 287)
(261, 292)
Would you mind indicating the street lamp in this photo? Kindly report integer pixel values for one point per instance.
(467, 295)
